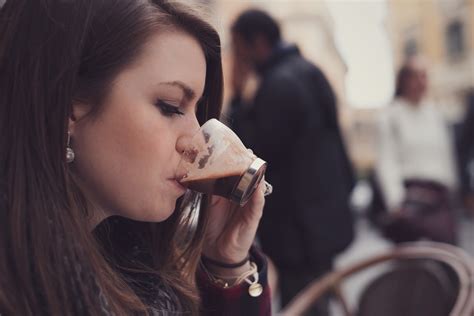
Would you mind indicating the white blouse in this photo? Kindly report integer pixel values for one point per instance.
(414, 142)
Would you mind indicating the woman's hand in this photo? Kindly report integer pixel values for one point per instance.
(232, 229)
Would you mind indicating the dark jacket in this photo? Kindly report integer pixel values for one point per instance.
(293, 125)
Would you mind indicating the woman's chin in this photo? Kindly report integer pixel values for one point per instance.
(160, 215)
(153, 212)
(152, 215)
(163, 212)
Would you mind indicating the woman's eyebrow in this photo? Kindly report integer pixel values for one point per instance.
(189, 93)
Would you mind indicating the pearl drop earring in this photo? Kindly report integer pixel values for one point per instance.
(69, 152)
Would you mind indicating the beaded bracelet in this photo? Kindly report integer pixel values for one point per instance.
(255, 289)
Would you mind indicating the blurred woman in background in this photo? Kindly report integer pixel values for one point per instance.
(416, 165)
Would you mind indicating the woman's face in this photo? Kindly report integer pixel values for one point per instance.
(126, 157)
(416, 82)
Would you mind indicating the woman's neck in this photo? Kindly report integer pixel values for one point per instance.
(413, 100)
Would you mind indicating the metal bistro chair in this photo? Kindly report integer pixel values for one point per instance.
(427, 279)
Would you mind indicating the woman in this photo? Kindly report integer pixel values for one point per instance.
(94, 98)
(415, 166)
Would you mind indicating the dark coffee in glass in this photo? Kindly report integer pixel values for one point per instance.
(216, 162)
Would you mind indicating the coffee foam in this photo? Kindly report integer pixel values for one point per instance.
(218, 164)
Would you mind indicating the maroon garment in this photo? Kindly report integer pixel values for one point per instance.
(236, 300)
(426, 212)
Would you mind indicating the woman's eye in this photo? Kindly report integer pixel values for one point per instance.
(168, 109)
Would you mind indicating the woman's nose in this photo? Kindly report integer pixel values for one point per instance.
(184, 141)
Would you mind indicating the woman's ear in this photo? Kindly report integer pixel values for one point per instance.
(79, 112)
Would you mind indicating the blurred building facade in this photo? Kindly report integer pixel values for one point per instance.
(443, 31)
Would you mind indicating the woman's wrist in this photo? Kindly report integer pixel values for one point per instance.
(250, 277)
(225, 277)
(224, 263)
(228, 274)
(228, 268)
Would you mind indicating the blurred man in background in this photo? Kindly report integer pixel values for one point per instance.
(291, 121)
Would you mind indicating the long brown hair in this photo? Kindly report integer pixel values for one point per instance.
(52, 53)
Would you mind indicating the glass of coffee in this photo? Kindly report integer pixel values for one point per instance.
(215, 161)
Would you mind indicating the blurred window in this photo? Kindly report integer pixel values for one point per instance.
(455, 39)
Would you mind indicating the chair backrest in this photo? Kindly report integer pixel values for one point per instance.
(409, 288)
(453, 261)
